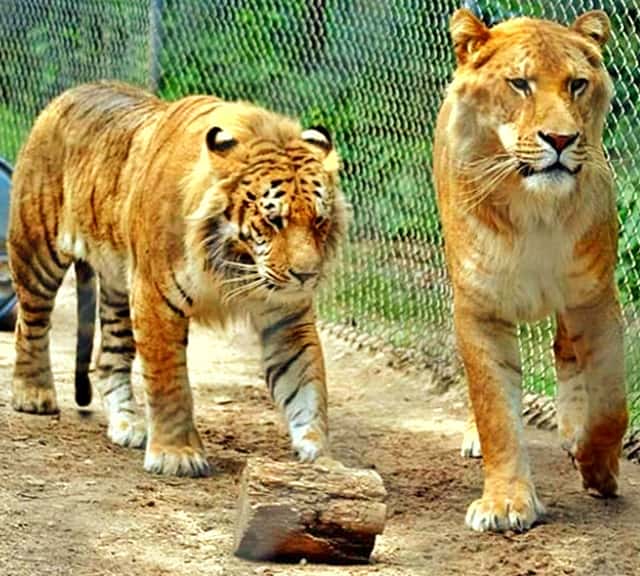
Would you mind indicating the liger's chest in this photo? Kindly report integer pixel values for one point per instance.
(522, 278)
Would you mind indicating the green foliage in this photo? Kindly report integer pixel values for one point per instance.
(50, 46)
(376, 289)
(628, 271)
(13, 131)
(362, 69)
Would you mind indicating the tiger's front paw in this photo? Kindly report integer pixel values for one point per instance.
(34, 399)
(514, 506)
(185, 459)
(309, 446)
(127, 430)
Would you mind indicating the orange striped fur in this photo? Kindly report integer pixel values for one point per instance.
(527, 206)
(196, 209)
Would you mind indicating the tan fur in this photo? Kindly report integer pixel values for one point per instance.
(526, 237)
(202, 209)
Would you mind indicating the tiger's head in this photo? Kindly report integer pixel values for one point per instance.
(530, 98)
(272, 213)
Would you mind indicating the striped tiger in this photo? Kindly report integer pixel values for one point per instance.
(194, 209)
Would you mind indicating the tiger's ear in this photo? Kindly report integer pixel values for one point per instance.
(468, 34)
(219, 140)
(594, 25)
(318, 136)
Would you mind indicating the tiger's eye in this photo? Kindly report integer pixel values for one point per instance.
(276, 221)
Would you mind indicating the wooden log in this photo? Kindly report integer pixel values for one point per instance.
(321, 512)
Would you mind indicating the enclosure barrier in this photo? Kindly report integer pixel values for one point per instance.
(374, 74)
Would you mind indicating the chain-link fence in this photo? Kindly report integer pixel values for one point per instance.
(374, 74)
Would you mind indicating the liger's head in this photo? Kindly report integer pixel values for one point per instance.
(273, 213)
(535, 93)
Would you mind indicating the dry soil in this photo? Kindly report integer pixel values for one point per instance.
(73, 504)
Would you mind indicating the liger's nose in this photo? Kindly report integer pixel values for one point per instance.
(558, 141)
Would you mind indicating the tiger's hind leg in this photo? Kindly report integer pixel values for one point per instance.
(295, 375)
(117, 351)
(37, 269)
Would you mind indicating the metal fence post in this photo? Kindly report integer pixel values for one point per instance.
(155, 43)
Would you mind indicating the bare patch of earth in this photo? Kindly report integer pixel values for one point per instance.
(73, 504)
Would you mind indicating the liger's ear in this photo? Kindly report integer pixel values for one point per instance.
(468, 34)
(318, 136)
(594, 25)
(219, 140)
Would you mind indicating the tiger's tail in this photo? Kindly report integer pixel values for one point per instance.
(86, 310)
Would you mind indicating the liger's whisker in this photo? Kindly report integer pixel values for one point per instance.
(496, 168)
(481, 193)
(487, 160)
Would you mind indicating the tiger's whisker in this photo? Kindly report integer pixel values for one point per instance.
(233, 293)
(243, 278)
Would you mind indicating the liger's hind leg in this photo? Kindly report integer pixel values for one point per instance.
(571, 400)
(37, 270)
(117, 351)
(592, 410)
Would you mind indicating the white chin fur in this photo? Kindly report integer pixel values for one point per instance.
(285, 296)
(291, 295)
(558, 184)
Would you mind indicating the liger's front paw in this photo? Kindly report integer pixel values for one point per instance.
(597, 461)
(34, 399)
(187, 459)
(600, 471)
(516, 507)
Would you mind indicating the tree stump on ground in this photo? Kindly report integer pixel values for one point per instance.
(322, 512)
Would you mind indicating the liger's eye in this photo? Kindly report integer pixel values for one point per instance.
(577, 86)
(520, 85)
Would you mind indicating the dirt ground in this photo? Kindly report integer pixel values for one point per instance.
(73, 504)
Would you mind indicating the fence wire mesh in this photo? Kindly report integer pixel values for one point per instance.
(374, 74)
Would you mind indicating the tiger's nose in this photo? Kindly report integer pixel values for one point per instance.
(301, 276)
(558, 141)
